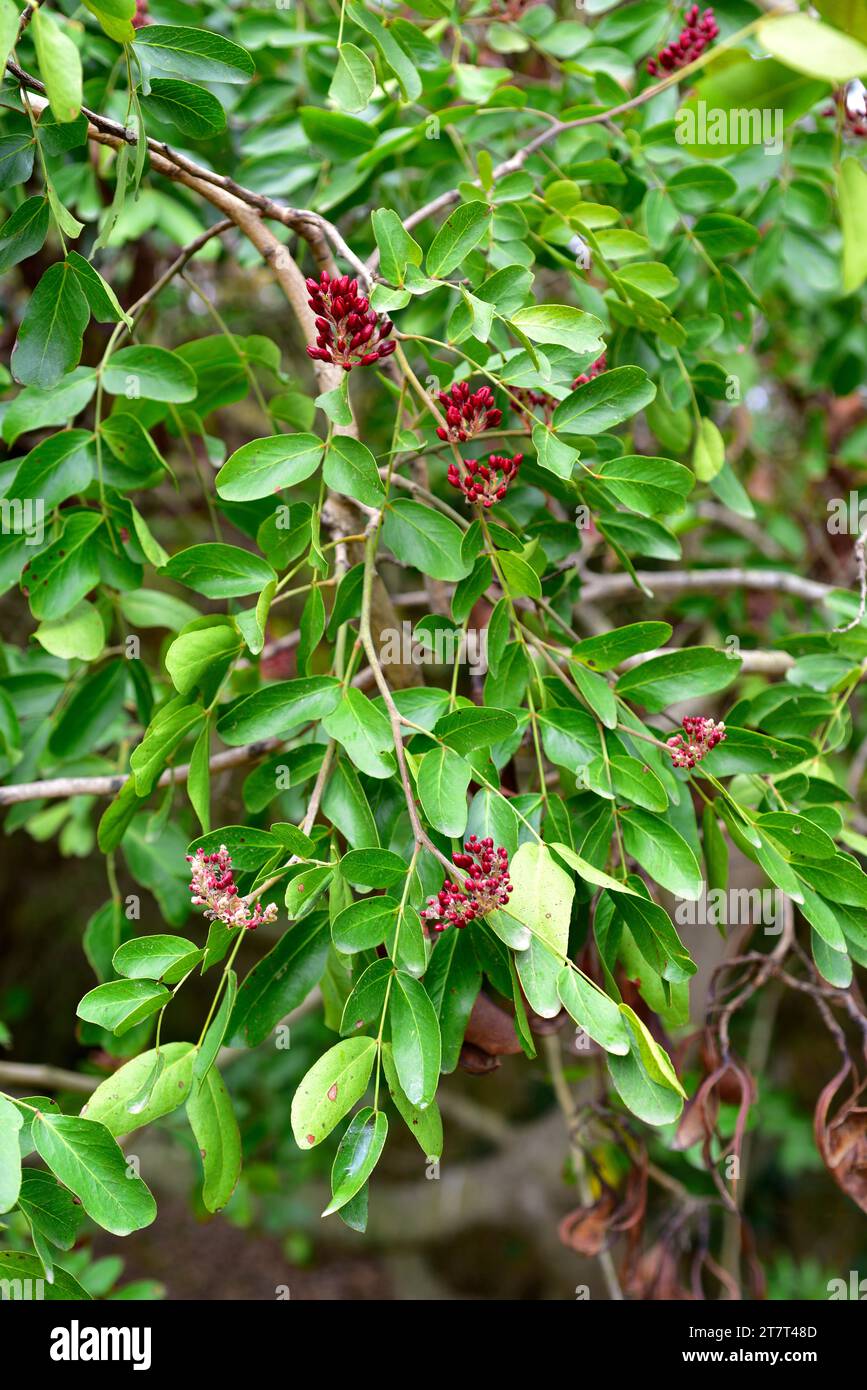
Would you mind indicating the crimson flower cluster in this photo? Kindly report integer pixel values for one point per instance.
(486, 887)
(699, 736)
(141, 16)
(595, 369)
(213, 888)
(468, 413)
(698, 31)
(485, 482)
(350, 333)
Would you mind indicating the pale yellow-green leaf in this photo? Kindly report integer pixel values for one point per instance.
(59, 66)
(852, 194)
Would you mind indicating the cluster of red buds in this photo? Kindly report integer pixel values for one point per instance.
(141, 16)
(851, 102)
(698, 31)
(350, 333)
(699, 736)
(486, 887)
(595, 369)
(534, 403)
(213, 888)
(468, 413)
(485, 482)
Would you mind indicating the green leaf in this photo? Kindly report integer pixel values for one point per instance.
(541, 896)
(841, 879)
(425, 1124)
(33, 407)
(655, 1059)
(304, 891)
(26, 1272)
(364, 731)
(397, 249)
(363, 1008)
(150, 372)
(24, 232)
(153, 1084)
(56, 469)
(59, 66)
(629, 780)
(538, 968)
(357, 1156)
(606, 401)
(152, 957)
(115, 17)
(648, 486)
(651, 1102)
(570, 737)
(390, 50)
(597, 692)
(219, 571)
(744, 750)
(373, 868)
(165, 735)
(721, 234)
(593, 1011)
(10, 1154)
(279, 708)
(654, 934)
(443, 778)
(194, 654)
(561, 325)
(588, 871)
(346, 805)
(683, 675)
(415, 1039)
(424, 539)
(51, 1210)
(279, 982)
(519, 578)
(195, 111)
(709, 454)
(195, 54)
(122, 1004)
(50, 334)
(462, 230)
(350, 469)
(797, 835)
(453, 980)
(363, 924)
(609, 649)
(103, 301)
(662, 852)
(79, 635)
(83, 1155)
(813, 48)
(354, 79)
(10, 18)
(852, 196)
(213, 1039)
(330, 1089)
(212, 1120)
(262, 467)
(473, 727)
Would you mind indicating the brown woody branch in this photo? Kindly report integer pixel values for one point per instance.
(607, 586)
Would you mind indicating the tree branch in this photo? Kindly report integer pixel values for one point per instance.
(109, 786)
(605, 586)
